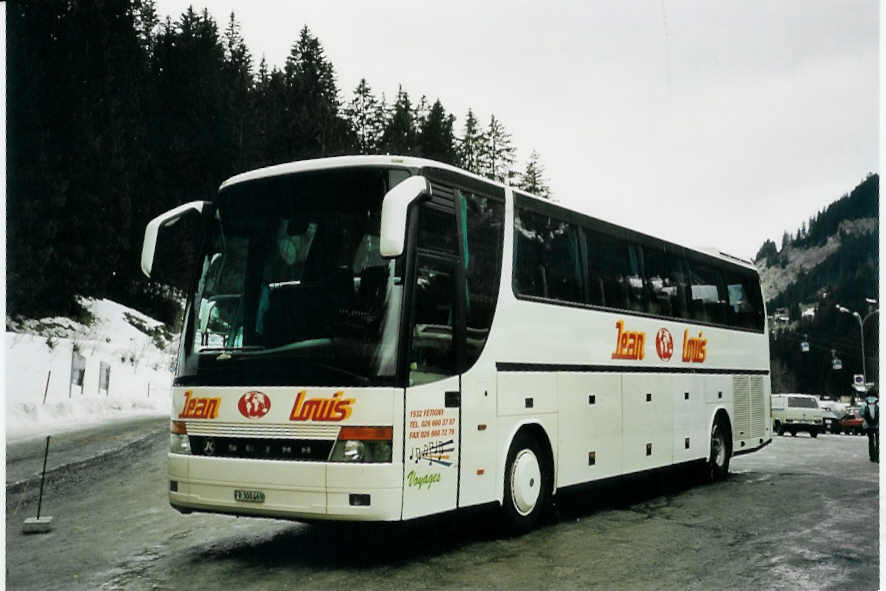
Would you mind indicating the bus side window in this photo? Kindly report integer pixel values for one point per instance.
(548, 261)
(745, 308)
(708, 292)
(608, 270)
(659, 287)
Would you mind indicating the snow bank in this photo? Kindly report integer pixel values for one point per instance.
(136, 347)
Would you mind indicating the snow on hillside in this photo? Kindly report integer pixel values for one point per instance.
(138, 349)
(776, 279)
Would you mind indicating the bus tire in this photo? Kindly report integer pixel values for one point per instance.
(527, 484)
(813, 433)
(779, 428)
(721, 451)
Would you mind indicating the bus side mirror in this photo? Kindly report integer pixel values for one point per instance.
(392, 235)
(172, 241)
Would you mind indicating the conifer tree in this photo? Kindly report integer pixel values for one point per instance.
(471, 145)
(400, 135)
(381, 117)
(532, 179)
(147, 23)
(313, 103)
(362, 115)
(436, 140)
(498, 154)
(238, 85)
(420, 112)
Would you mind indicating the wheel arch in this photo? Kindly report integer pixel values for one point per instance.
(536, 430)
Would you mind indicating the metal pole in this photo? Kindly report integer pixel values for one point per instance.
(861, 322)
(46, 389)
(43, 478)
(864, 372)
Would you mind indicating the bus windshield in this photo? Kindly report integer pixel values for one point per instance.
(292, 286)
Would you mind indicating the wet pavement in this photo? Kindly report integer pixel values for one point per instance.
(24, 458)
(802, 513)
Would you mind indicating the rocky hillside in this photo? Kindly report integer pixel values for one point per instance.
(797, 260)
(831, 261)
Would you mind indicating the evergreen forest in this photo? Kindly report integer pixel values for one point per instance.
(116, 114)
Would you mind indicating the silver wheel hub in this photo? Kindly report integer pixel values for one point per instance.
(525, 481)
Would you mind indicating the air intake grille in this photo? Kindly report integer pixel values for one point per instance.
(263, 431)
(757, 408)
(742, 413)
(303, 450)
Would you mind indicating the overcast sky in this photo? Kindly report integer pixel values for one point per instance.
(707, 123)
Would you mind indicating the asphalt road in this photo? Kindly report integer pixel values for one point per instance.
(24, 458)
(801, 514)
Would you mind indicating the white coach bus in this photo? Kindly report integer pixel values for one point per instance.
(382, 338)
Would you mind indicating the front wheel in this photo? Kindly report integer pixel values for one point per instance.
(527, 484)
(813, 433)
(721, 452)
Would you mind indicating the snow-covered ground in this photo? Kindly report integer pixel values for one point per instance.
(137, 349)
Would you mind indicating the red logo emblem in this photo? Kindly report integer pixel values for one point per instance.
(664, 344)
(254, 405)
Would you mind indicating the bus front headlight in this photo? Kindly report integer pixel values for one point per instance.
(363, 445)
(355, 450)
(178, 438)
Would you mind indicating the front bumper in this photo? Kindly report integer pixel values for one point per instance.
(292, 490)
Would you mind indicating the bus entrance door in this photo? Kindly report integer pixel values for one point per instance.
(430, 471)
(433, 392)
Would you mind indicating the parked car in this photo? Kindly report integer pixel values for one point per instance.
(831, 420)
(792, 413)
(832, 411)
(852, 422)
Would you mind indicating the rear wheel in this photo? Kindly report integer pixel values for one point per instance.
(813, 433)
(779, 428)
(527, 484)
(721, 452)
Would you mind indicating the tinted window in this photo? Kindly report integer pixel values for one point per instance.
(665, 281)
(745, 300)
(547, 261)
(708, 298)
(484, 219)
(293, 287)
(625, 271)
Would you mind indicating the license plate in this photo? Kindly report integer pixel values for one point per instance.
(249, 496)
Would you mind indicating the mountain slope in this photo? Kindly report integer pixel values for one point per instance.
(834, 261)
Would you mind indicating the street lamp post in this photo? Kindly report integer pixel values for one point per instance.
(861, 322)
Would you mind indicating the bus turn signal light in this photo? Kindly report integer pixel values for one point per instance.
(367, 433)
(178, 427)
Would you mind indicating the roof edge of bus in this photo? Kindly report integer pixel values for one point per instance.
(716, 252)
(344, 162)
